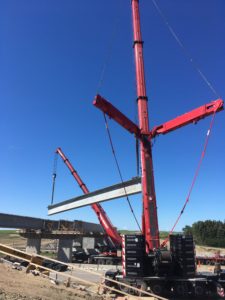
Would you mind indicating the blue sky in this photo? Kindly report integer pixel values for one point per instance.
(51, 57)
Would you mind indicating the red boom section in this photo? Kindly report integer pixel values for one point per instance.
(103, 218)
(116, 115)
(190, 117)
(149, 216)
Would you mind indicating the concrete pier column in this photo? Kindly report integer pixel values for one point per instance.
(65, 250)
(33, 245)
(88, 243)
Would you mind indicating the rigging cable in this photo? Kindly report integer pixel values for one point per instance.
(54, 176)
(211, 87)
(108, 53)
(119, 170)
(194, 178)
(185, 51)
(99, 85)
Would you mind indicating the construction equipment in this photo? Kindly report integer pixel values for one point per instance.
(107, 253)
(145, 263)
(102, 217)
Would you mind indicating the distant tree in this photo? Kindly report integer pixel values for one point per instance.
(209, 232)
(187, 229)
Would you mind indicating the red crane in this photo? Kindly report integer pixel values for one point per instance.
(101, 214)
(175, 265)
(144, 134)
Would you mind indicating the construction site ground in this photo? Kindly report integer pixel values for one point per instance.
(18, 285)
(15, 284)
(13, 239)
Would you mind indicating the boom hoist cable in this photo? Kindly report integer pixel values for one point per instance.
(194, 179)
(119, 170)
(185, 50)
(108, 53)
(211, 88)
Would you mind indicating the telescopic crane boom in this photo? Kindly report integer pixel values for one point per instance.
(144, 134)
(101, 214)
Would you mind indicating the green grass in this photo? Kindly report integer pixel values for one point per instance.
(48, 254)
(7, 232)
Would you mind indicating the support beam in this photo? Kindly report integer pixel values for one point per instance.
(88, 243)
(65, 250)
(130, 187)
(48, 227)
(24, 222)
(33, 245)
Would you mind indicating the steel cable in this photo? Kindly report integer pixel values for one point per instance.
(185, 51)
(119, 170)
(193, 180)
(54, 176)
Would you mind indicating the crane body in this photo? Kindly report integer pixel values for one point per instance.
(144, 134)
(144, 263)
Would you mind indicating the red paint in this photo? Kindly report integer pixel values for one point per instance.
(149, 218)
(190, 117)
(101, 214)
(115, 114)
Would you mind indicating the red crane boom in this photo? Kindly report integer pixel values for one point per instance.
(142, 132)
(190, 117)
(149, 216)
(101, 214)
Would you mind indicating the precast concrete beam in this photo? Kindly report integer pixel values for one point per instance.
(48, 226)
(130, 187)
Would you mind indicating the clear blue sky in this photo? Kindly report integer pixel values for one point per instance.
(51, 56)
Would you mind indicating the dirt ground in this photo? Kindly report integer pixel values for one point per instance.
(17, 285)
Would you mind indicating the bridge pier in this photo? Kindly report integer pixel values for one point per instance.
(33, 245)
(65, 250)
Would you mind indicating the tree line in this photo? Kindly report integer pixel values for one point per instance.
(207, 233)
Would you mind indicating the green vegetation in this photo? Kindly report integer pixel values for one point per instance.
(165, 234)
(48, 254)
(7, 232)
(207, 233)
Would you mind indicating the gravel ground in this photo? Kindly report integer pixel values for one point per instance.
(17, 285)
